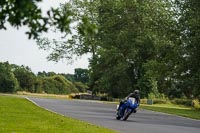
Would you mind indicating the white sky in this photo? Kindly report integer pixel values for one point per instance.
(16, 48)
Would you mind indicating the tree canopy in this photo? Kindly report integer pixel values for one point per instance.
(150, 45)
(27, 13)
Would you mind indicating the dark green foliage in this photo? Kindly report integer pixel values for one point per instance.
(23, 12)
(49, 86)
(21, 78)
(128, 39)
(27, 13)
(42, 74)
(57, 85)
(69, 77)
(105, 98)
(81, 75)
(110, 76)
(38, 85)
(159, 101)
(186, 102)
(150, 45)
(8, 82)
(189, 63)
(25, 77)
(80, 86)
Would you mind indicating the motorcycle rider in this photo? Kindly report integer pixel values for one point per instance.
(136, 95)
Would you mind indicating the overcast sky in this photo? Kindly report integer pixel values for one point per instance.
(16, 48)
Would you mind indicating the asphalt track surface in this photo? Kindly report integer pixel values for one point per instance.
(103, 114)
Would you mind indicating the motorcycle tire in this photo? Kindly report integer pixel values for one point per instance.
(126, 115)
(118, 117)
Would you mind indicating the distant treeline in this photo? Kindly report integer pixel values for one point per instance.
(20, 78)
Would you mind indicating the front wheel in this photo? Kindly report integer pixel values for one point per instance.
(126, 114)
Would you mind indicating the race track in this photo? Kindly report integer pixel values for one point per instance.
(104, 115)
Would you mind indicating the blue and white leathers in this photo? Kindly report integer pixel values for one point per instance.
(126, 109)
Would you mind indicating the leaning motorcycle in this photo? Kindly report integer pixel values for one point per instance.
(126, 109)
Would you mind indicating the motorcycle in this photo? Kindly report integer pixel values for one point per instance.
(126, 109)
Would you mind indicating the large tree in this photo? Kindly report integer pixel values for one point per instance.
(189, 68)
(152, 45)
(132, 34)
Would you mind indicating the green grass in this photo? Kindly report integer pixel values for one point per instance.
(174, 109)
(17, 115)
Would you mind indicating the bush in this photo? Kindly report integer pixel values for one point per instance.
(143, 101)
(159, 101)
(71, 96)
(80, 86)
(155, 101)
(196, 104)
(58, 85)
(105, 98)
(186, 102)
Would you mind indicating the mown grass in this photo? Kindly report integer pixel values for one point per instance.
(17, 115)
(174, 109)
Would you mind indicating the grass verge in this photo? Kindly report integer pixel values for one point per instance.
(17, 115)
(174, 109)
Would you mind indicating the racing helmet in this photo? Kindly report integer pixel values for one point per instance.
(136, 92)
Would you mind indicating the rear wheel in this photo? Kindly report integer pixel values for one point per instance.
(118, 116)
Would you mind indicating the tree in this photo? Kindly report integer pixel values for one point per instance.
(153, 45)
(8, 82)
(42, 74)
(130, 35)
(81, 75)
(74, 45)
(27, 13)
(25, 77)
(189, 66)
